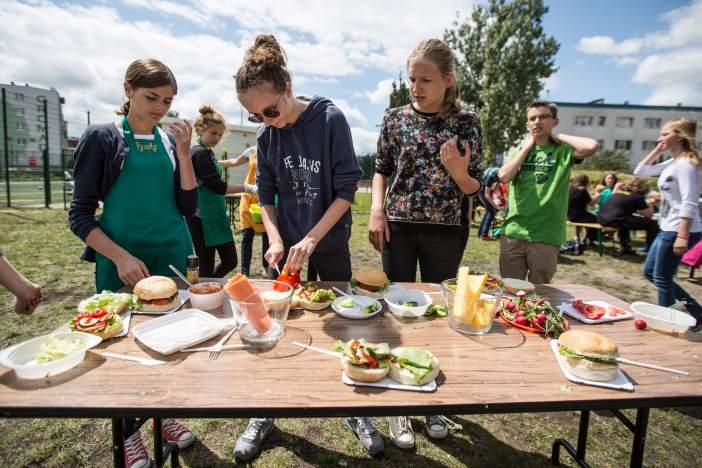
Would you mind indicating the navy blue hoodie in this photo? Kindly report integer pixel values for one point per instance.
(308, 165)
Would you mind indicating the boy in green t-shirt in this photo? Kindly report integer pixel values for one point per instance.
(538, 173)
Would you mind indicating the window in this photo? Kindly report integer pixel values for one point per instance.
(648, 145)
(601, 120)
(600, 144)
(583, 121)
(624, 145)
(39, 128)
(20, 111)
(652, 123)
(625, 122)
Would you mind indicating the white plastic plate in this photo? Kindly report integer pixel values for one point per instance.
(568, 309)
(183, 293)
(387, 382)
(356, 313)
(177, 331)
(622, 382)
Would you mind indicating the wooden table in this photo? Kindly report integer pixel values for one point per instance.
(505, 371)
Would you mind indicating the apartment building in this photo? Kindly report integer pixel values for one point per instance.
(630, 128)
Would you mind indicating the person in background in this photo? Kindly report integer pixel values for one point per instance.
(144, 177)
(539, 173)
(424, 217)
(604, 189)
(307, 178)
(209, 227)
(27, 294)
(679, 220)
(249, 226)
(578, 202)
(493, 200)
(627, 210)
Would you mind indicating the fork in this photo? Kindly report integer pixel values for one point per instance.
(216, 349)
(141, 360)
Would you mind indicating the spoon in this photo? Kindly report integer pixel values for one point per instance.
(180, 275)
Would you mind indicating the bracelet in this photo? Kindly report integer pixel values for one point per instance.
(683, 237)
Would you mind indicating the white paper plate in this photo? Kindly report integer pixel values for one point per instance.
(568, 309)
(355, 312)
(183, 293)
(179, 330)
(622, 382)
(387, 382)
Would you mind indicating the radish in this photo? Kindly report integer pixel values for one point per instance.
(521, 320)
(510, 305)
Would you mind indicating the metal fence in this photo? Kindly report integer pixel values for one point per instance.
(33, 159)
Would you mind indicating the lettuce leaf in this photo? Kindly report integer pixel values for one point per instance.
(111, 301)
(322, 295)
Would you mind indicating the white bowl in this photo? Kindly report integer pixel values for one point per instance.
(207, 301)
(396, 297)
(21, 357)
(663, 318)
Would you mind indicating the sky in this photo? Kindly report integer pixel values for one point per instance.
(640, 51)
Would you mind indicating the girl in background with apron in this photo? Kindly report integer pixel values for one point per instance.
(146, 182)
(210, 226)
(249, 226)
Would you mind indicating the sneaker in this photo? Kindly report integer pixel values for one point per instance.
(370, 438)
(401, 431)
(436, 427)
(135, 454)
(175, 433)
(248, 443)
(487, 238)
(696, 328)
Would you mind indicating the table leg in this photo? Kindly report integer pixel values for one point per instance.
(117, 443)
(161, 452)
(637, 449)
(579, 453)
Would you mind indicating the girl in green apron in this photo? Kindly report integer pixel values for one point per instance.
(146, 182)
(210, 227)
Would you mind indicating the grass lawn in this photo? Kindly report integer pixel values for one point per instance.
(40, 244)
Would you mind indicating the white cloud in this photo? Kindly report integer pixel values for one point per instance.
(186, 12)
(364, 141)
(669, 60)
(354, 116)
(605, 45)
(381, 93)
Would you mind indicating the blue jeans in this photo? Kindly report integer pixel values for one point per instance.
(486, 223)
(660, 268)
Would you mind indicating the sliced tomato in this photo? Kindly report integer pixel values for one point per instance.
(160, 302)
(615, 311)
(590, 311)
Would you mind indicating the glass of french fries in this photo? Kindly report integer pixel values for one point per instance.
(472, 303)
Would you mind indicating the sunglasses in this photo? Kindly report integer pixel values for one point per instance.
(270, 112)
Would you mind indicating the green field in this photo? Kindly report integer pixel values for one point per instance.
(39, 243)
(30, 193)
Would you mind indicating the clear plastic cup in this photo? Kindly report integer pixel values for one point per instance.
(477, 318)
(263, 315)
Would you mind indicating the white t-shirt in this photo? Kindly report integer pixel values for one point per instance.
(679, 184)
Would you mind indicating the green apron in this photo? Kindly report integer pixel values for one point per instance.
(213, 212)
(140, 213)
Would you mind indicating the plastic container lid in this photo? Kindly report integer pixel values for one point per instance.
(663, 318)
(177, 331)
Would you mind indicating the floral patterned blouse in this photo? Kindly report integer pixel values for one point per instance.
(421, 189)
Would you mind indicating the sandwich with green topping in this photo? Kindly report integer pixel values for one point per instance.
(363, 361)
(588, 355)
(413, 366)
(312, 297)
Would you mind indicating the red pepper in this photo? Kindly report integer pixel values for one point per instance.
(292, 279)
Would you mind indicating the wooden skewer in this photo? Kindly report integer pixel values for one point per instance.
(651, 366)
(319, 350)
(339, 291)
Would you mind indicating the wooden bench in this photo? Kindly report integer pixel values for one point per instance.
(600, 229)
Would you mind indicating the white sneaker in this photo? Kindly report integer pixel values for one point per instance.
(401, 431)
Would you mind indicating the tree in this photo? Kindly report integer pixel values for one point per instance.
(400, 94)
(503, 56)
(608, 160)
(367, 163)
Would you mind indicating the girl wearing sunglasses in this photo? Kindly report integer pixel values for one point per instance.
(305, 158)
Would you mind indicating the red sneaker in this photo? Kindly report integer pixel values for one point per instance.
(175, 432)
(487, 238)
(135, 454)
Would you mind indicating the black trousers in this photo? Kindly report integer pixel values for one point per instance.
(635, 223)
(227, 252)
(585, 217)
(439, 255)
(247, 238)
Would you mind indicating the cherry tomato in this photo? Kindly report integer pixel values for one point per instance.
(640, 324)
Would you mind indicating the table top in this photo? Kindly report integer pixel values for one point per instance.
(505, 370)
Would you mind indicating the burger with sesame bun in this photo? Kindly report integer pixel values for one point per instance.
(371, 282)
(157, 294)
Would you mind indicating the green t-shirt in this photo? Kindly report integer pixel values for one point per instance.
(538, 195)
